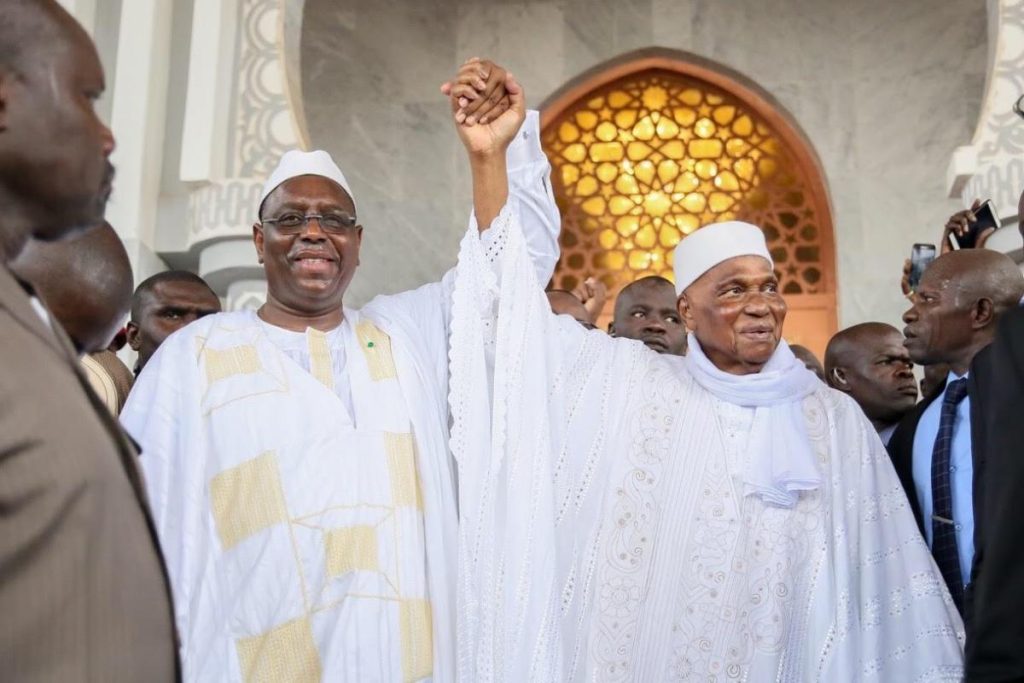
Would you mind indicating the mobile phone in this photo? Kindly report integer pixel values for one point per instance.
(985, 218)
(921, 256)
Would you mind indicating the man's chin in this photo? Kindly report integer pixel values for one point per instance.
(656, 345)
(759, 352)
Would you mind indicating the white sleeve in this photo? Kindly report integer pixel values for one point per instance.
(532, 420)
(530, 200)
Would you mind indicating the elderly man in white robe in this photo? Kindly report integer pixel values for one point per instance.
(296, 457)
(632, 516)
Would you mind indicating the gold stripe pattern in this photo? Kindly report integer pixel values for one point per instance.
(417, 640)
(320, 365)
(246, 499)
(351, 548)
(237, 360)
(405, 482)
(285, 653)
(376, 348)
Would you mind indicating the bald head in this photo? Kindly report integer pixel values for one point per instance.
(849, 345)
(978, 273)
(870, 363)
(646, 310)
(957, 304)
(86, 281)
(565, 303)
(30, 28)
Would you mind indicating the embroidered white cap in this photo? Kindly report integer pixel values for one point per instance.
(295, 163)
(704, 249)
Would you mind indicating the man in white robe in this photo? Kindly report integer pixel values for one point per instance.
(296, 457)
(631, 516)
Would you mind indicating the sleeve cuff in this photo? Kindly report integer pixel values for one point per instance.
(525, 149)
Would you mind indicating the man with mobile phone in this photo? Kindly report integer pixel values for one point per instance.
(935, 449)
(970, 228)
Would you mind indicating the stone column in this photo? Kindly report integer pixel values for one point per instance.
(992, 165)
(240, 117)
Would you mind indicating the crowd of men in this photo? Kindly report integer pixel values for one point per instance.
(471, 481)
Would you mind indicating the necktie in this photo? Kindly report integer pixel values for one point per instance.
(944, 547)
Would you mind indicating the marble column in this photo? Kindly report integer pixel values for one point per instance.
(239, 119)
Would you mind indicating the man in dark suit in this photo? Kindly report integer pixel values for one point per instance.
(83, 591)
(995, 640)
(952, 319)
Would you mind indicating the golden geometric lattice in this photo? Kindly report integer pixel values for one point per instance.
(645, 160)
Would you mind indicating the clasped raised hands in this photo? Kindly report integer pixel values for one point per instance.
(488, 106)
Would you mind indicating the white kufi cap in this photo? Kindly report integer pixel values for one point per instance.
(297, 163)
(704, 249)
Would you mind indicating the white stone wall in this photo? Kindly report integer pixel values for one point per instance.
(884, 90)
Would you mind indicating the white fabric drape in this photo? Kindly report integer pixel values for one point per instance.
(604, 531)
(780, 463)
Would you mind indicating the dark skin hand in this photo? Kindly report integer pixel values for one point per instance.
(479, 90)
(566, 303)
(736, 312)
(593, 293)
(959, 224)
(167, 308)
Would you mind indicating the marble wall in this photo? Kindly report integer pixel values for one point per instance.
(884, 90)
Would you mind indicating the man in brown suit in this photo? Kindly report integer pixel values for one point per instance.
(83, 592)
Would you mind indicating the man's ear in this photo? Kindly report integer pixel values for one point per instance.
(983, 314)
(257, 239)
(131, 333)
(359, 242)
(837, 380)
(685, 312)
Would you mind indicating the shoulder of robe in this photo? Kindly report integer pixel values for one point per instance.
(189, 341)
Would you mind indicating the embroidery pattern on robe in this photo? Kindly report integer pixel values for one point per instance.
(634, 518)
(343, 553)
(743, 557)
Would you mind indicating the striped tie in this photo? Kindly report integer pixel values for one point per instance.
(943, 525)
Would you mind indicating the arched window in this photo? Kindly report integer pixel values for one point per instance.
(646, 152)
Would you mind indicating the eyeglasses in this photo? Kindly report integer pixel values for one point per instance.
(294, 223)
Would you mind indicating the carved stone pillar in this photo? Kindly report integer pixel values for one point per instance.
(992, 166)
(240, 118)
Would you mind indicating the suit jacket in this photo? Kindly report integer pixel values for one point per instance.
(995, 639)
(901, 445)
(83, 591)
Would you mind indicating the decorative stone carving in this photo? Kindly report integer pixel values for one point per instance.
(999, 139)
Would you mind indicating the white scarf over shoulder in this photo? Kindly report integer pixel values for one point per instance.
(781, 462)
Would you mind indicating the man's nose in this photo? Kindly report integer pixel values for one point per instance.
(905, 370)
(910, 315)
(654, 325)
(757, 305)
(108, 141)
(313, 231)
